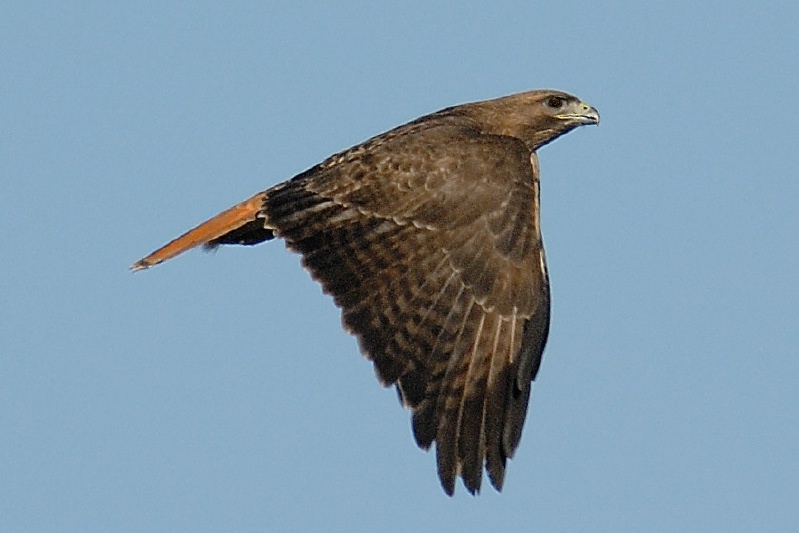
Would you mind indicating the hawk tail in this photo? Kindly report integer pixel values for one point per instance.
(241, 224)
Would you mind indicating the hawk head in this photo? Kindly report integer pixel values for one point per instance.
(534, 117)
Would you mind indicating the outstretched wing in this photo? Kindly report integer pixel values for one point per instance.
(431, 246)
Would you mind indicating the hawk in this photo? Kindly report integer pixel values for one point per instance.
(428, 238)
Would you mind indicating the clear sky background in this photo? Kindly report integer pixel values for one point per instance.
(218, 392)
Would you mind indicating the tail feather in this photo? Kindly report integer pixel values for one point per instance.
(211, 232)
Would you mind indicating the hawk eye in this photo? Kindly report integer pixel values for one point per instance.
(555, 102)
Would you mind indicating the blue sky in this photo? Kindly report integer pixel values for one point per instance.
(217, 392)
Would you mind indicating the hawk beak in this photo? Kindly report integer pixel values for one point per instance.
(581, 113)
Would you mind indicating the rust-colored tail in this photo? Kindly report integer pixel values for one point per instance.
(223, 223)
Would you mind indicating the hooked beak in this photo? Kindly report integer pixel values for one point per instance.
(581, 113)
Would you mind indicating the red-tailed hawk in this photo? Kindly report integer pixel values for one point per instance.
(428, 238)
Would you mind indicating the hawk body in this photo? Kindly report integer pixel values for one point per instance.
(428, 238)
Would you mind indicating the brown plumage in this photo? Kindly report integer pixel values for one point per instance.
(428, 239)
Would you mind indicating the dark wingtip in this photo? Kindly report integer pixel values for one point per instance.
(448, 484)
(496, 473)
(497, 481)
(474, 490)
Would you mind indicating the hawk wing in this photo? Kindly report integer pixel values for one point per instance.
(431, 246)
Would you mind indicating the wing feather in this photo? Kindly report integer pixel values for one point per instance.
(435, 263)
(451, 392)
(471, 435)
